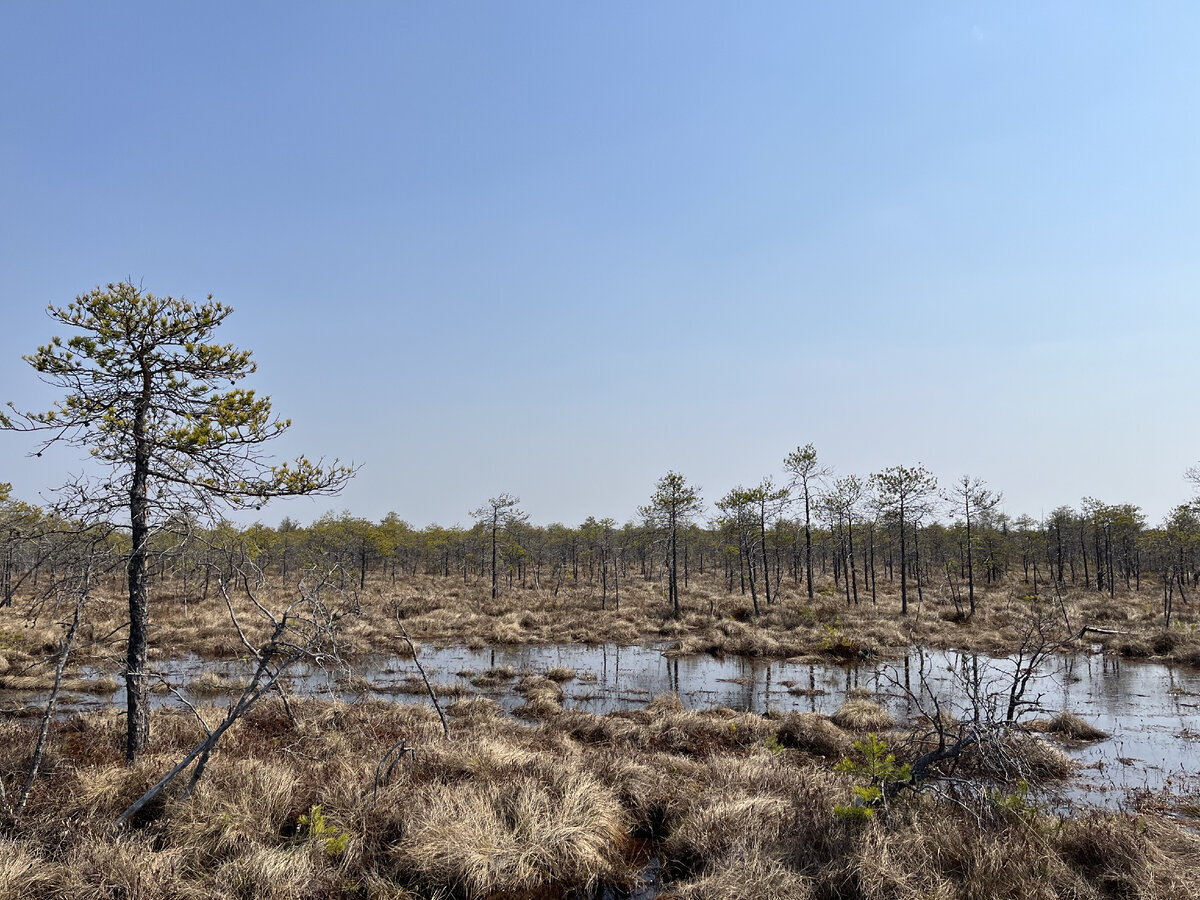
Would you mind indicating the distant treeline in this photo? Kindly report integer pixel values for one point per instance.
(853, 538)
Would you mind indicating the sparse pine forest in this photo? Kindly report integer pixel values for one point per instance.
(198, 708)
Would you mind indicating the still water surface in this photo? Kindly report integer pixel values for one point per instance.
(1150, 710)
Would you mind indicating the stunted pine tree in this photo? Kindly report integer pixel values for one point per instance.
(906, 491)
(970, 497)
(498, 515)
(155, 403)
(673, 505)
(806, 473)
(738, 517)
(843, 505)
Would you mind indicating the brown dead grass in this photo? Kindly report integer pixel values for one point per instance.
(1073, 727)
(734, 805)
(863, 715)
(445, 611)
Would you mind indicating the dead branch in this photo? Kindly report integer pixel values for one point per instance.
(428, 687)
(294, 637)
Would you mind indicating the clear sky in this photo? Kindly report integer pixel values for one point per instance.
(556, 249)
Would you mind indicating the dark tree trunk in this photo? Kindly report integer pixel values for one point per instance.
(137, 696)
(807, 545)
(970, 565)
(672, 576)
(762, 543)
(903, 566)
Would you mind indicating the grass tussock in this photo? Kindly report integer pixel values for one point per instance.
(475, 708)
(273, 873)
(746, 876)
(210, 684)
(863, 715)
(22, 874)
(814, 734)
(515, 835)
(543, 697)
(1074, 728)
(495, 677)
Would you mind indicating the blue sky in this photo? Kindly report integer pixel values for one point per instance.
(556, 250)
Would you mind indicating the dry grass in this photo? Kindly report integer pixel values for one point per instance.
(1073, 727)
(734, 805)
(516, 834)
(814, 734)
(444, 611)
(210, 684)
(863, 715)
(22, 873)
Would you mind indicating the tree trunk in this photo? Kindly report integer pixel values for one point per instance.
(137, 696)
(970, 564)
(903, 566)
(762, 542)
(672, 580)
(495, 523)
(807, 545)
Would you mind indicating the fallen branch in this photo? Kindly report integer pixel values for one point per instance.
(1094, 630)
(274, 658)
